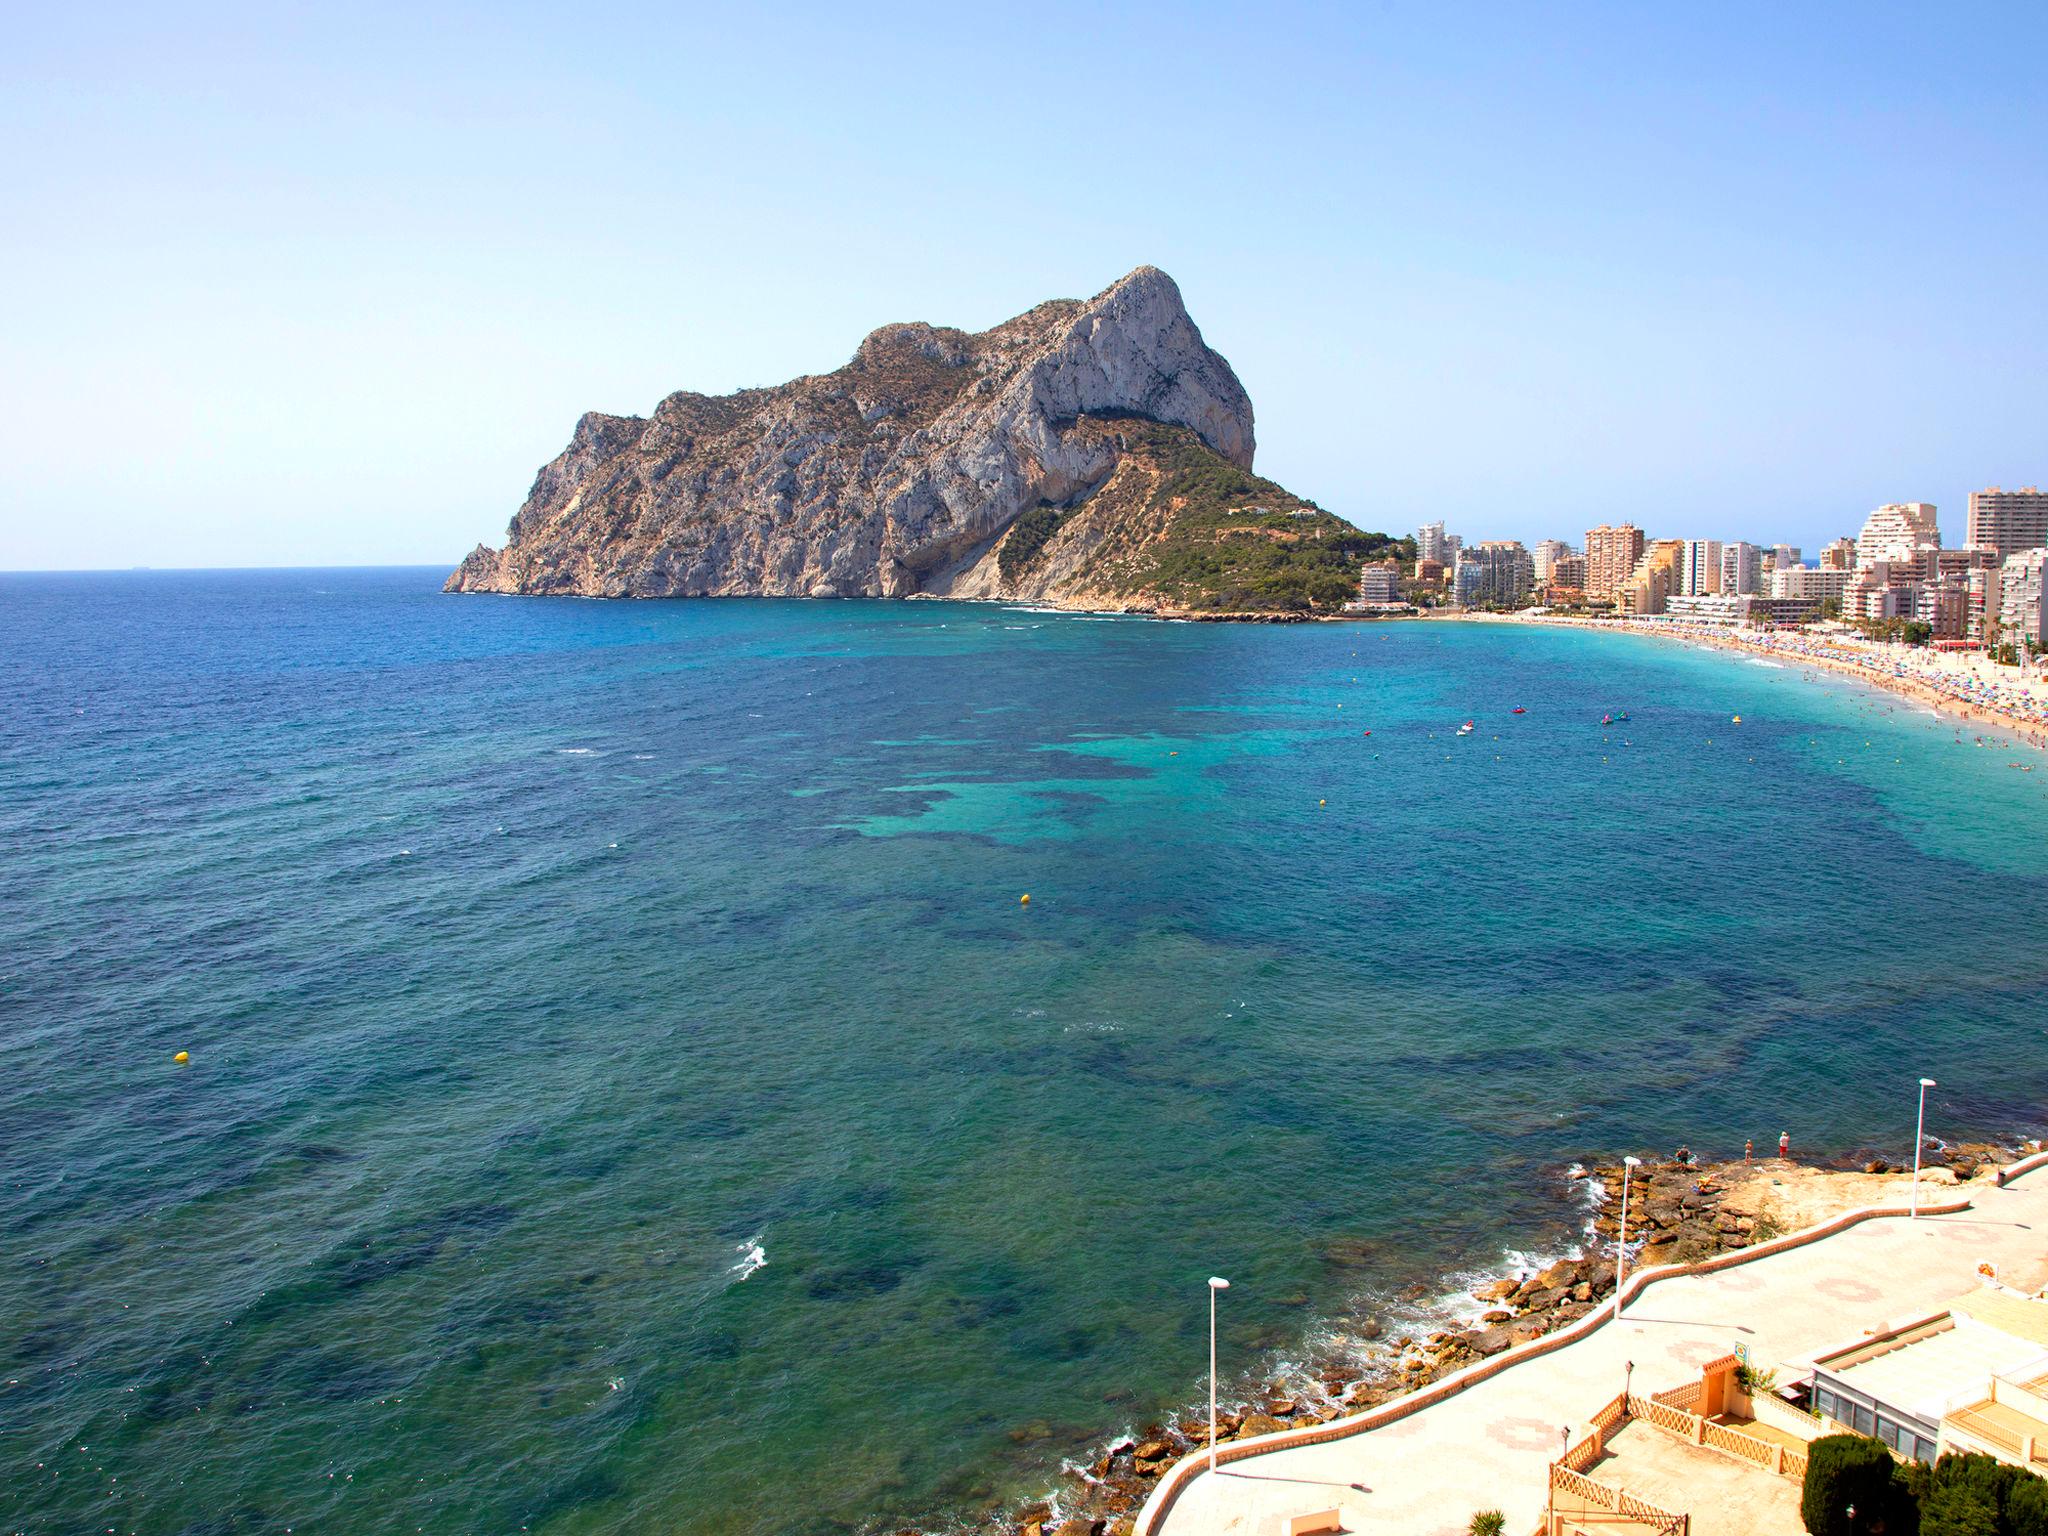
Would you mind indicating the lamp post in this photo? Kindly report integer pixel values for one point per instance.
(1919, 1135)
(1216, 1283)
(1628, 1166)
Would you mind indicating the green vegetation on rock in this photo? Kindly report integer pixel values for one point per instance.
(1181, 523)
(1027, 537)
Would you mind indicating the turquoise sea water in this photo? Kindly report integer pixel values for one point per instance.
(545, 965)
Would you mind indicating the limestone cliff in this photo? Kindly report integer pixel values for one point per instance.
(1040, 459)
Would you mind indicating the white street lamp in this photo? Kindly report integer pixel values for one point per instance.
(1919, 1130)
(1216, 1283)
(1628, 1166)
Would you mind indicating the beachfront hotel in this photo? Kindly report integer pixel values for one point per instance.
(2008, 521)
(2023, 597)
(1611, 556)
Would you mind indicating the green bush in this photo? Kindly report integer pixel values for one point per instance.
(1956, 1510)
(2026, 1507)
(1027, 537)
(1850, 1470)
(1488, 1522)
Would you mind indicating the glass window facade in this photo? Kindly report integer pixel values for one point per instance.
(1908, 1437)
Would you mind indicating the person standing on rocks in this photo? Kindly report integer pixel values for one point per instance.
(1785, 1146)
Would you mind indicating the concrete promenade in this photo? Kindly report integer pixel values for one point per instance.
(1491, 1445)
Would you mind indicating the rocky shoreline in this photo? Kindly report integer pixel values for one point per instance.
(1680, 1210)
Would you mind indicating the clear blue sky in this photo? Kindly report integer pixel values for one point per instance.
(326, 285)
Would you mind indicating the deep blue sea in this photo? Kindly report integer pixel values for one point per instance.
(626, 1093)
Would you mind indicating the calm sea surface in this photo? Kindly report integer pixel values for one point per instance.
(626, 1093)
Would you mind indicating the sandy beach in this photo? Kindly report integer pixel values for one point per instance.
(1967, 685)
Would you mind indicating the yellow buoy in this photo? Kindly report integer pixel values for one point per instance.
(182, 1057)
(1024, 900)
(1737, 720)
(1322, 802)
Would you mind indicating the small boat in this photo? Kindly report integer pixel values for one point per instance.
(1519, 710)
(1465, 729)
(1607, 719)
(1622, 716)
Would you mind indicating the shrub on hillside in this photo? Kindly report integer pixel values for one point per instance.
(1845, 1471)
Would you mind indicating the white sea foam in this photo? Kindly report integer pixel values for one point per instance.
(752, 1257)
(576, 752)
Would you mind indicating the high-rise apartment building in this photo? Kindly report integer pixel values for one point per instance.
(1430, 543)
(1783, 555)
(1496, 573)
(1897, 531)
(1651, 583)
(1568, 570)
(1741, 569)
(1547, 554)
(2008, 521)
(2023, 598)
(1839, 556)
(1380, 582)
(1699, 568)
(1611, 556)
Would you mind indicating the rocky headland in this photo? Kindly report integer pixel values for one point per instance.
(1093, 455)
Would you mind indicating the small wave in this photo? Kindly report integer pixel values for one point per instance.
(752, 1257)
(577, 752)
(1758, 661)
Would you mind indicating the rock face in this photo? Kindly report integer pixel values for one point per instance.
(906, 470)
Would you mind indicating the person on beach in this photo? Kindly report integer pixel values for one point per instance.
(1785, 1146)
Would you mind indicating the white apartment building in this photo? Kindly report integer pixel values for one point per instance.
(1430, 543)
(1897, 531)
(1708, 608)
(1380, 582)
(1699, 569)
(1741, 568)
(1548, 553)
(2023, 597)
